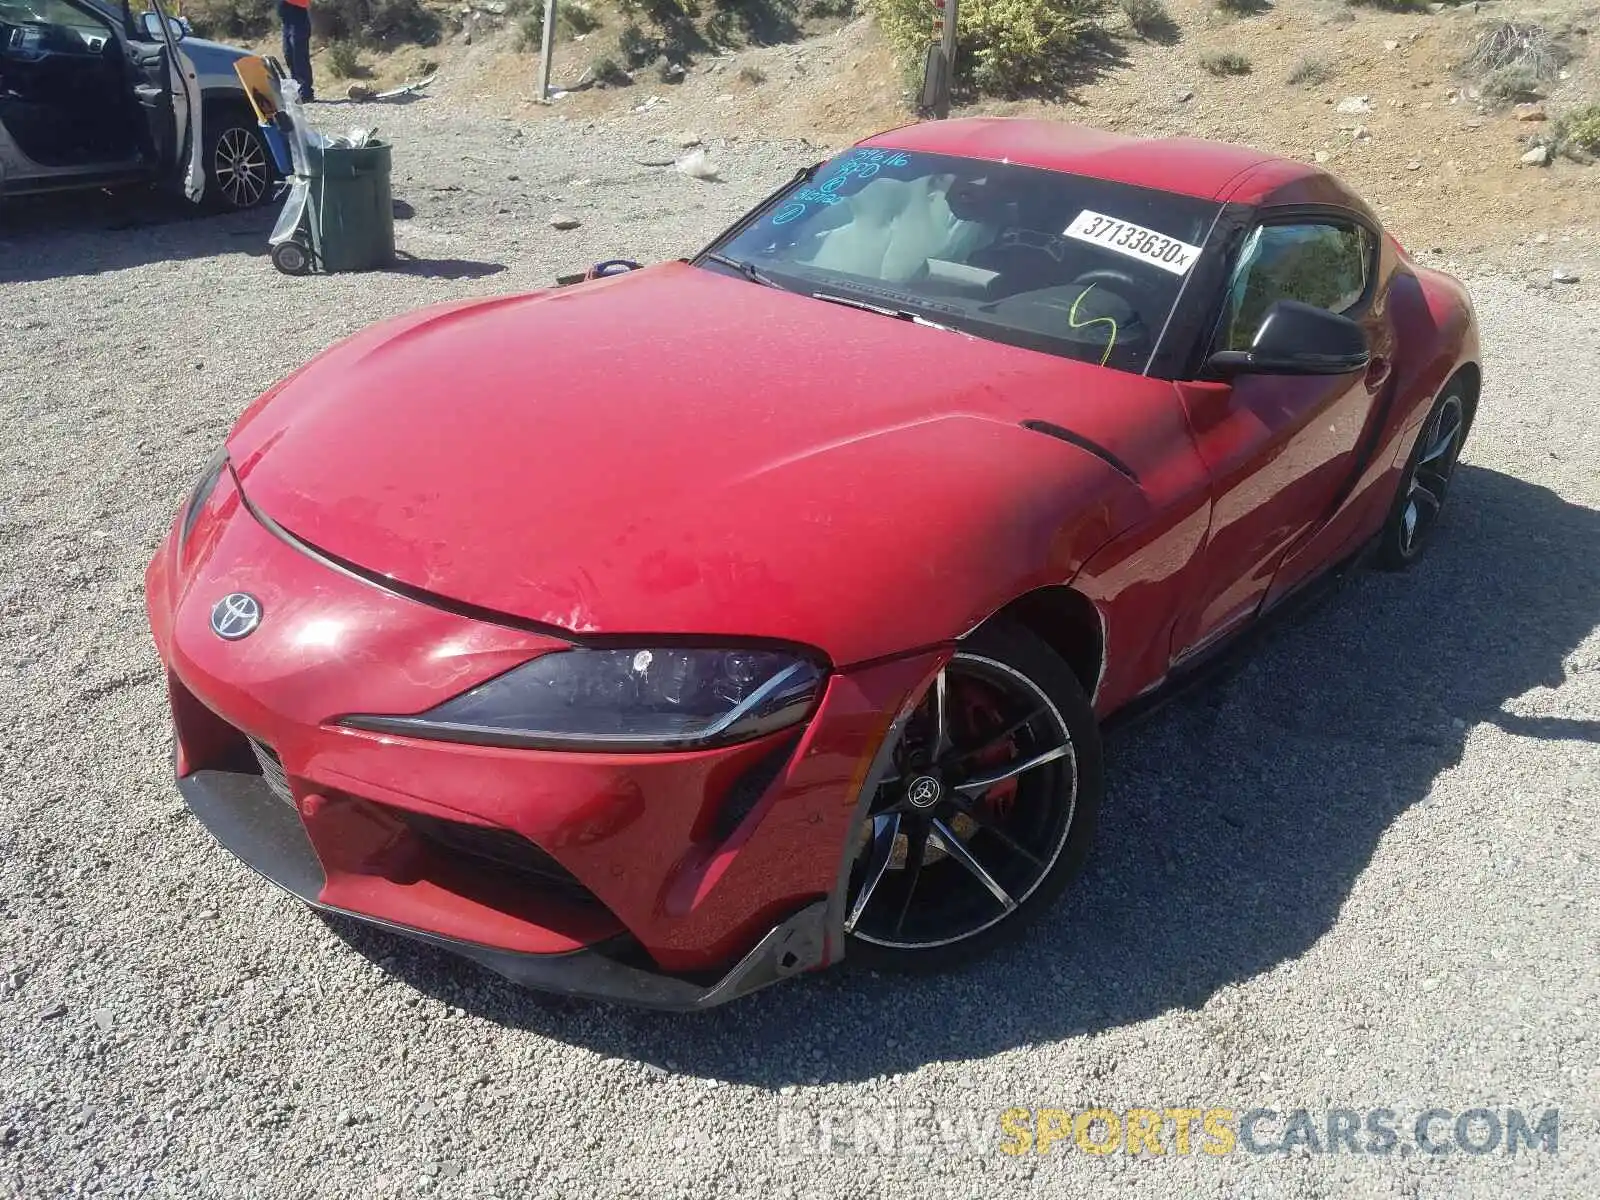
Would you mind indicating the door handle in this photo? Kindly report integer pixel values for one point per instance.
(1377, 372)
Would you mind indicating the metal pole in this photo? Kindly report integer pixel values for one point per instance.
(547, 46)
(950, 7)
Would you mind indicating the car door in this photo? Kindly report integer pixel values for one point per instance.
(1279, 448)
(183, 88)
(167, 88)
(63, 94)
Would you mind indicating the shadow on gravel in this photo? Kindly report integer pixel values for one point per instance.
(1238, 820)
(87, 233)
(444, 268)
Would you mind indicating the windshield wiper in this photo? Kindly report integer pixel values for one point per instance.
(748, 269)
(899, 314)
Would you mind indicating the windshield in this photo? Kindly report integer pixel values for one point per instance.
(1054, 262)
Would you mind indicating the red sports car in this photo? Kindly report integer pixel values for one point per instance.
(669, 634)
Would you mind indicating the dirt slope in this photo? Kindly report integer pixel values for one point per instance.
(1441, 165)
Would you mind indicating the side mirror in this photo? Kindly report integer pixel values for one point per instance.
(1297, 339)
(152, 27)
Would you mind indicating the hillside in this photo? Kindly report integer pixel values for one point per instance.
(1389, 100)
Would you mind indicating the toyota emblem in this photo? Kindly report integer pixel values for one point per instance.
(235, 616)
(924, 792)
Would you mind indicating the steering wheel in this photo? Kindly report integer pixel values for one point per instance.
(1123, 284)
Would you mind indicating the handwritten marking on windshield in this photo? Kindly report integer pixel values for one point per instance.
(1072, 320)
(862, 163)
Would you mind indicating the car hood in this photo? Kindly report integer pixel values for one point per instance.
(681, 452)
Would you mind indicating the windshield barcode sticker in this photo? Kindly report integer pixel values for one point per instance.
(1135, 241)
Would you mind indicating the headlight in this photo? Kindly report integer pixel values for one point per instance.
(647, 699)
(203, 488)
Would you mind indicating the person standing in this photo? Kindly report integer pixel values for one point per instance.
(296, 18)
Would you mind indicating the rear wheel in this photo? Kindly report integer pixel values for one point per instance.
(987, 813)
(238, 164)
(1417, 505)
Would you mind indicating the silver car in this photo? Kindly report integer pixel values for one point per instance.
(94, 96)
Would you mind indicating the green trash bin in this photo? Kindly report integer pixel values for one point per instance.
(352, 207)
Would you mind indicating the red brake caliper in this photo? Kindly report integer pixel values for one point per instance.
(981, 717)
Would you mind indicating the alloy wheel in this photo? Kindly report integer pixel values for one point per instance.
(974, 815)
(1430, 476)
(239, 164)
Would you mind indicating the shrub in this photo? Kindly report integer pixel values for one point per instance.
(661, 12)
(1311, 72)
(1008, 47)
(343, 59)
(377, 23)
(1225, 62)
(636, 46)
(752, 75)
(232, 18)
(1510, 61)
(608, 72)
(816, 9)
(571, 19)
(1579, 130)
(1148, 18)
(1510, 85)
(1243, 8)
(1391, 5)
(530, 29)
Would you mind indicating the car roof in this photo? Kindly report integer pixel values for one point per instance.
(1188, 166)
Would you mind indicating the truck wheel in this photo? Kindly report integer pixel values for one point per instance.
(238, 164)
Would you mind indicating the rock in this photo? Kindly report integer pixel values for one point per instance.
(1184, 96)
(563, 221)
(1355, 104)
(1361, 133)
(1563, 275)
(345, 1117)
(688, 140)
(1529, 112)
(671, 72)
(1322, 156)
(104, 1019)
(54, 1011)
(1539, 156)
(1413, 165)
(696, 165)
(359, 91)
(1391, 45)
(1472, 124)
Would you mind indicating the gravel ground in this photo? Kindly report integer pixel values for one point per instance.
(1360, 874)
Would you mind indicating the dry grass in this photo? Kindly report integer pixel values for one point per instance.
(1311, 71)
(1225, 62)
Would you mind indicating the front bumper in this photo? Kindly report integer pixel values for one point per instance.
(631, 880)
(243, 814)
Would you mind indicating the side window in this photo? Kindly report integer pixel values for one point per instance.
(1322, 264)
(54, 27)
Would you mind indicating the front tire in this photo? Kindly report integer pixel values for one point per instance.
(988, 813)
(239, 170)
